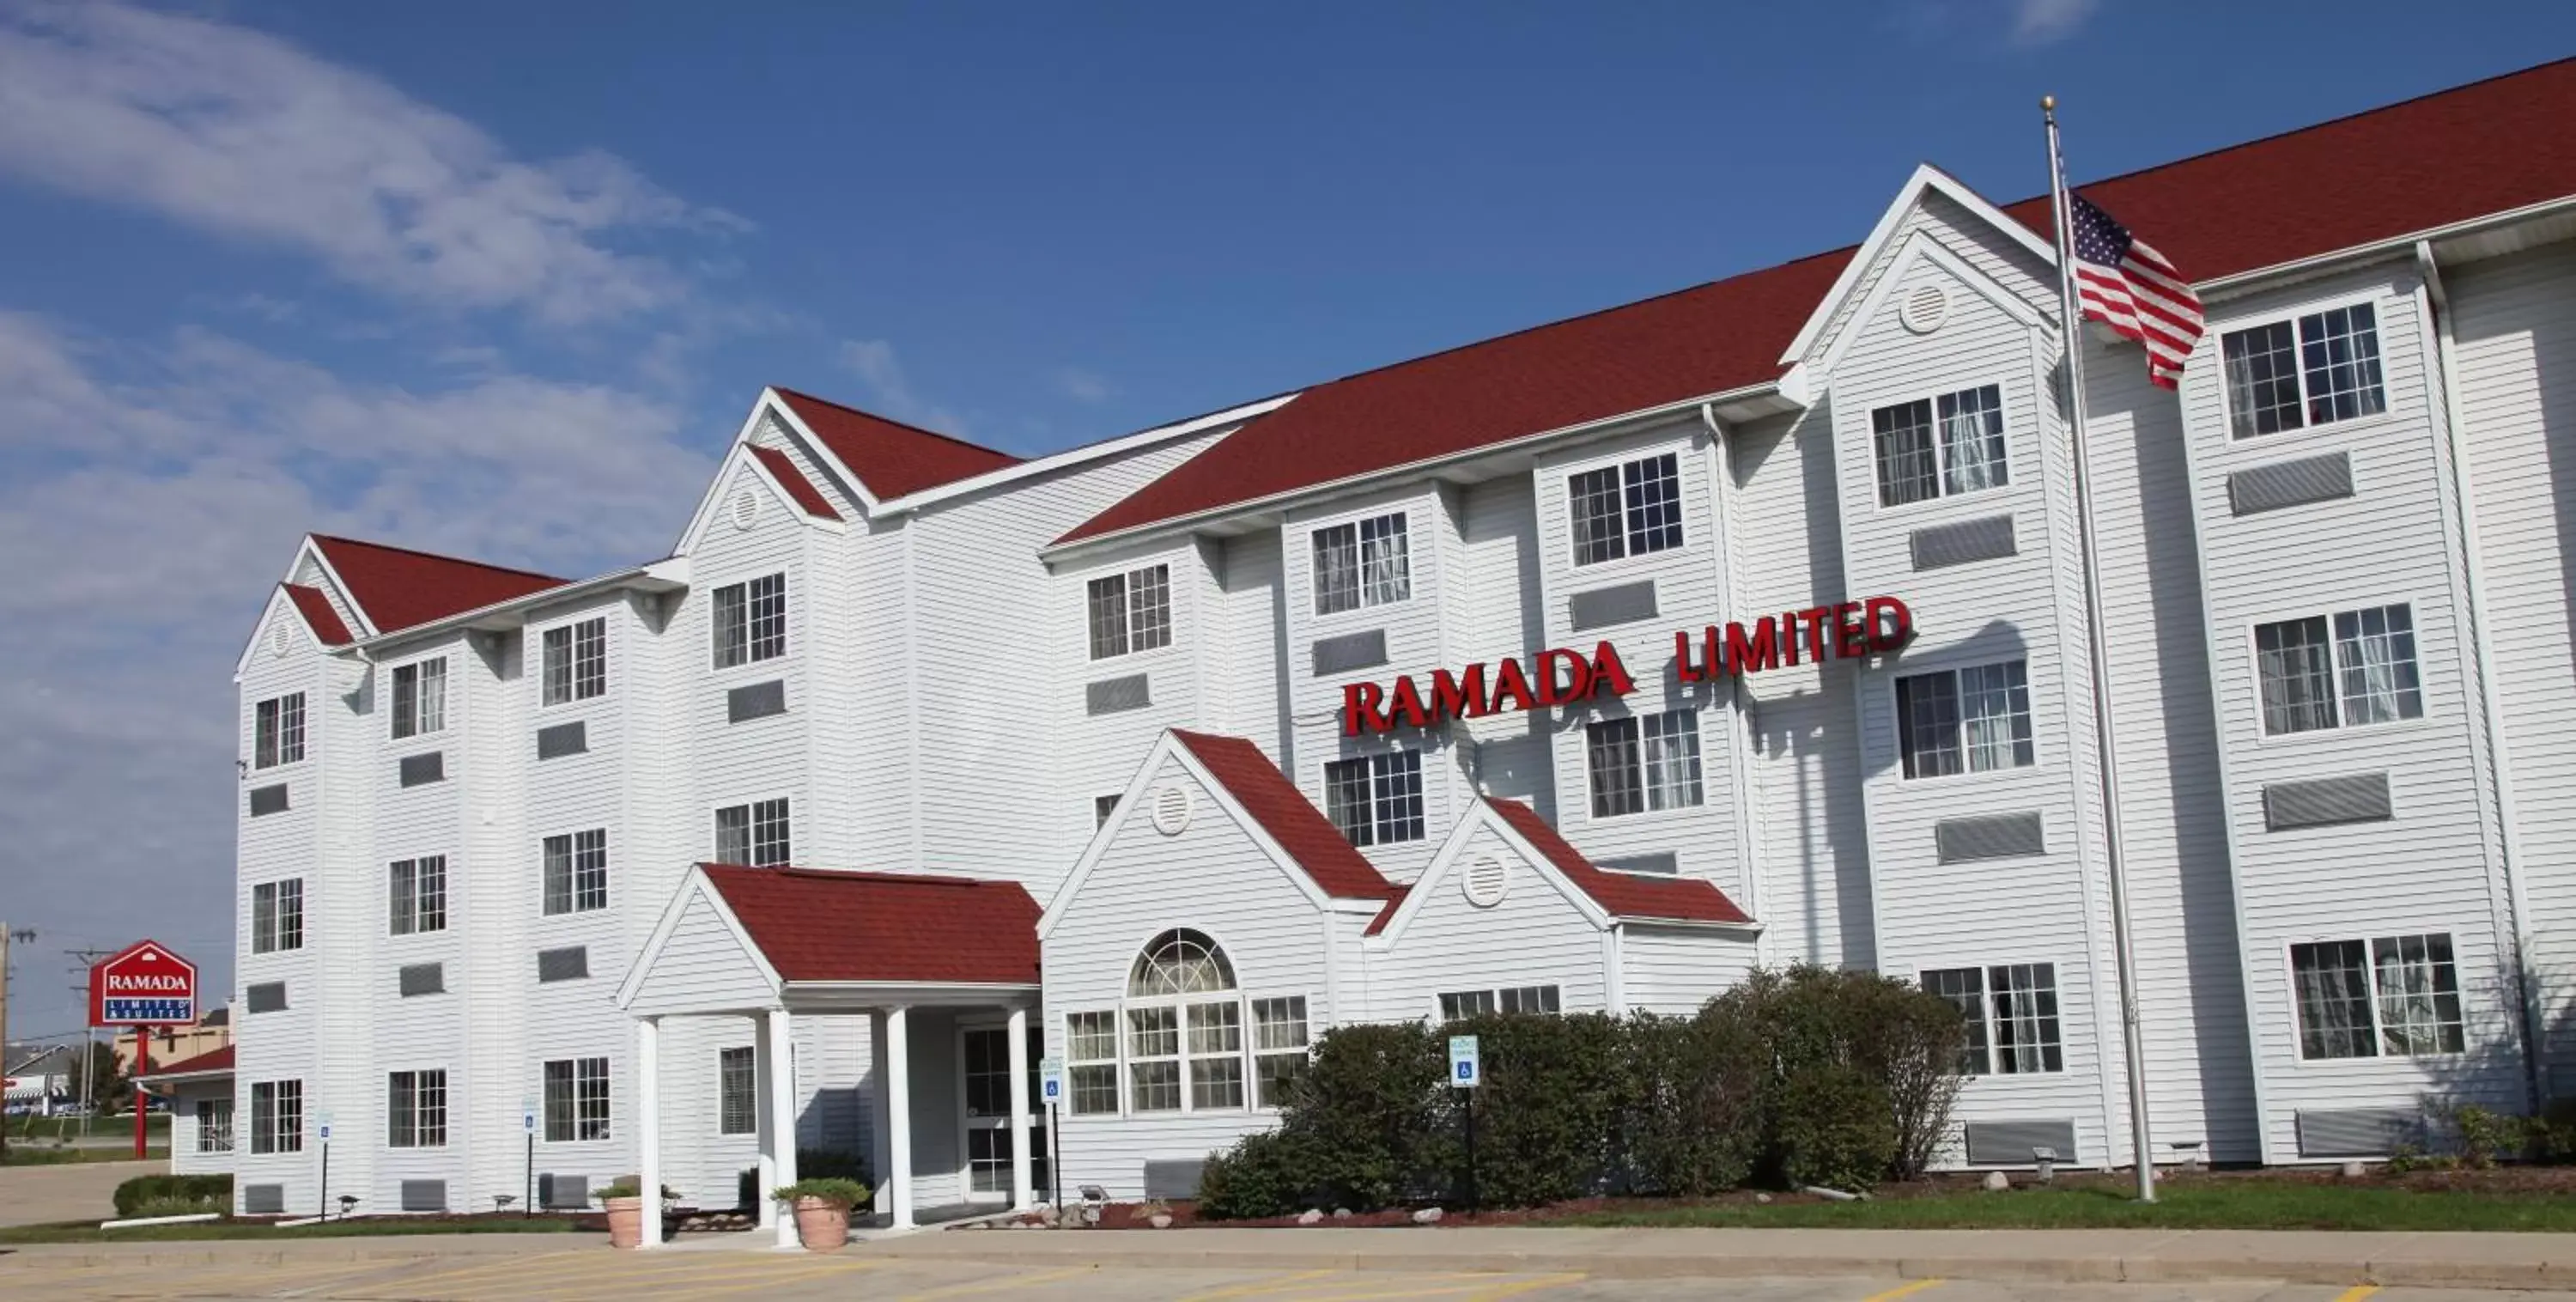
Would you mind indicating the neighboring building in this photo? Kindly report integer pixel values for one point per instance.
(200, 1090)
(38, 1077)
(1157, 718)
(172, 1043)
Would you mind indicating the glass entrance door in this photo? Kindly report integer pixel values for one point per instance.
(986, 1062)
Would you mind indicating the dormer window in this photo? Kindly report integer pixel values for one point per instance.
(1626, 510)
(1131, 612)
(1364, 563)
(420, 697)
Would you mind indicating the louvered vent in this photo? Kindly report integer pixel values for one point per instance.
(424, 1195)
(1963, 543)
(421, 770)
(563, 739)
(2358, 1132)
(267, 800)
(2009, 1143)
(1112, 695)
(266, 997)
(1924, 309)
(1626, 603)
(1172, 809)
(744, 509)
(1340, 655)
(1487, 879)
(571, 963)
(1996, 836)
(2325, 802)
(422, 979)
(263, 1200)
(280, 639)
(756, 701)
(563, 1190)
(2290, 483)
(1173, 1177)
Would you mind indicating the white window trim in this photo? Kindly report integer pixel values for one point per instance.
(1896, 726)
(608, 683)
(1942, 496)
(446, 700)
(1439, 1017)
(1683, 459)
(2254, 674)
(1412, 569)
(1241, 995)
(2267, 445)
(609, 1127)
(1322, 799)
(608, 867)
(1171, 611)
(1645, 786)
(713, 845)
(787, 636)
(2066, 1009)
(2382, 1061)
(303, 730)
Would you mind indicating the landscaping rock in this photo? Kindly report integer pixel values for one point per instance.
(1310, 1216)
(2355, 1171)
(1997, 1182)
(1341, 1213)
(1762, 1198)
(1427, 1216)
(1160, 1220)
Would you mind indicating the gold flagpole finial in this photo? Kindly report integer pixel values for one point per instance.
(2048, 104)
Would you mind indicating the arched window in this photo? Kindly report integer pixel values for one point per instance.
(1180, 962)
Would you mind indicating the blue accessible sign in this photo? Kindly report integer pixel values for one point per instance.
(1466, 1069)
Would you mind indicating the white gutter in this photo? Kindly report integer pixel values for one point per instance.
(2392, 247)
(1306, 492)
(660, 575)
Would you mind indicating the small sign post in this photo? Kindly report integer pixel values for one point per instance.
(1466, 1072)
(322, 1130)
(142, 985)
(528, 1124)
(1051, 1091)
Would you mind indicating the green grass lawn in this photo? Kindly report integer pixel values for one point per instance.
(88, 1231)
(2228, 1204)
(43, 1154)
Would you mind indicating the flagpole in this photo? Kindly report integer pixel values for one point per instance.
(2071, 319)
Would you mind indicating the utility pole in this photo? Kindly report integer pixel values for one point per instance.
(82, 961)
(7, 934)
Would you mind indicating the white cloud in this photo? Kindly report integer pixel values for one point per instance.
(1081, 385)
(233, 131)
(2040, 22)
(891, 392)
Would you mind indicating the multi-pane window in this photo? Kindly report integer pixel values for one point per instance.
(1279, 1047)
(1465, 1003)
(2353, 668)
(1131, 611)
(1457, 1004)
(416, 1109)
(1626, 510)
(277, 916)
(1643, 764)
(1376, 799)
(1091, 1062)
(1364, 563)
(750, 621)
(576, 871)
(214, 1125)
(737, 1092)
(418, 891)
(1154, 1059)
(1972, 720)
(754, 834)
(576, 661)
(2395, 995)
(1216, 1054)
(277, 731)
(1528, 999)
(1940, 447)
(576, 1100)
(420, 697)
(277, 1116)
(2011, 1015)
(2325, 368)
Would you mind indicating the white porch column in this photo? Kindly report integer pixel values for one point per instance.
(782, 1116)
(648, 1123)
(898, 1175)
(764, 1125)
(1019, 1060)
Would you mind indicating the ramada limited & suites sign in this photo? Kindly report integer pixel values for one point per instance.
(1563, 676)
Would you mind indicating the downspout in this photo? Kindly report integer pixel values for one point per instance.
(1720, 464)
(2499, 769)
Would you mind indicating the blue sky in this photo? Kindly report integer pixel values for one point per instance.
(501, 278)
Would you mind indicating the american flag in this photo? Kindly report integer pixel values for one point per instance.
(2126, 284)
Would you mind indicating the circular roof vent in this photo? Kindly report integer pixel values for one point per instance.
(745, 509)
(1172, 808)
(280, 640)
(1487, 878)
(1924, 309)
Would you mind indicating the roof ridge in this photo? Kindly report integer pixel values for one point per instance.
(900, 424)
(863, 874)
(435, 556)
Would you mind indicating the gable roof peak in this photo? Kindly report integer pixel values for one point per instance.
(889, 458)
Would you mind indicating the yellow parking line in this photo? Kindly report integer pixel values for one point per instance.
(509, 1266)
(2357, 1292)
(1480, 1285)
(623, 1274)
(1003, 1282)
(1908, 1289)
(1257, 1287)
(799, 1274)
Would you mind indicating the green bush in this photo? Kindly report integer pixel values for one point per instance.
(1691, 1125)
(1820, 1025)
(2486, 1134)
(1833, 1127)
(811, 1164)
(1275, 1173)
(1548, 1111)
(835, 1190)
(1374, 1106)
(188, 1194)
(2553, 1132)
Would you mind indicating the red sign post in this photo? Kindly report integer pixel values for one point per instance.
(142, 985)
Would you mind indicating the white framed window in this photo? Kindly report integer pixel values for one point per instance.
(1940, 447)
(750, 620)
(576, 871)
(1176, 1043)
(214, 1125)
(277, 1116)
(277, 731)
(1971, 720)
(1643, 764)
(417, 890)
(1457, 1004)
(754, 834)
(1091, 1062)
(1280, 1048)
(416, 1109)
(737, 1091)
(2010, 1010)
(1131, 612)
(1629, 509)
(277, 916)
(576, 1100)
(576, 661)
(1362, 563)
(2394, 996)
(420, 697)
(2346, 670)
(2314, 370)
(1376, 799)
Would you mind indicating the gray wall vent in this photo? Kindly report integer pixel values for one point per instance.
(2008, 1143)
(1989, 539)
(424, 1195)
(268, 800)
(1663, 863)
(2324, 802)
(1173, 1177)
(2358, 1132)
(563, 739)
(756, 701)
(1111, 695)
(1995, 836)
(1624, 603)
(423, 979)
(263, 1200)
(2290, 483)
(265, 997)
(421, 770)
(1340, 655)
(568, 964)
(563, 1190)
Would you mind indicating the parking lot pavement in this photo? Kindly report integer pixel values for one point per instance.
(590, 1273)
(31, 1195)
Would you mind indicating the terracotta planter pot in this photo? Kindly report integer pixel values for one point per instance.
(625, 1222)
(822, 1226)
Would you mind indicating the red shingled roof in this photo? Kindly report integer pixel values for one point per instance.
(1394, 900)
(837, 926)
(893, 459)
(1622, 895)
(317, 612)
(399, 588)
(2486, 147)
(1284, 812)
(204, 1064)
(783, 469)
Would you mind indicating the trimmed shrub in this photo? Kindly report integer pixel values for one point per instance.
(1833, 1127)
(1547, 1114)
(1692, 1122)
(1818, 1023)
(174, 1195)
(1373, 1107)
(1276, 1173)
